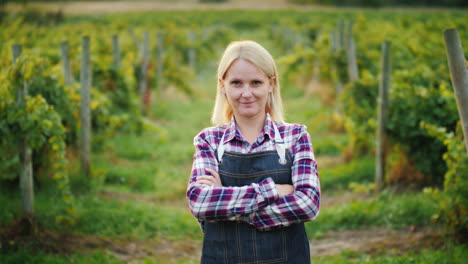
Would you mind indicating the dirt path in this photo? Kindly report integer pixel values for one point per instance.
(375, 241)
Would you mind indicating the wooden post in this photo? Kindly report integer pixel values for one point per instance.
(159, 61)
(116, 51)
(316, 67)
(459, 76)
(85, 106)
(341, 38)
(333, 42)
(144, 71)
(297, 38)
(335, 48)
(351, 54)
(339, 89)
(382, 116)
(291, 36)
(16, 51)
(341, 45)
(191, 50)
(316, 70)
(25, 153)
(67, 74)
(135, 40)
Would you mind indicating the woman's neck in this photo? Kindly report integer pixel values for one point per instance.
(250, 127)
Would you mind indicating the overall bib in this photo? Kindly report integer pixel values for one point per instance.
(232, 242)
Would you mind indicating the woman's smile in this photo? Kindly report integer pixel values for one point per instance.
(247, 89)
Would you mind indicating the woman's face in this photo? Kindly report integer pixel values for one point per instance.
(247, 88)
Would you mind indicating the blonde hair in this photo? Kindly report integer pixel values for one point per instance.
(261, 58)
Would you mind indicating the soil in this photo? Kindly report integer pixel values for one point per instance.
(376, 241)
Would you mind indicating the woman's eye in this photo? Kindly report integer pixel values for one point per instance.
(256, 83)
(236, 83)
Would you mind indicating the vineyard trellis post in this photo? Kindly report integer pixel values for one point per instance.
(144, 71)
(316, 69)
(382, 103)
(289, 37)
(85, 111)
(337, 44)
(333, 44)
(115, 51)
(135, 40)
(339, 48)
(341, 38)
(67, 73)
(25, 153)
(351, 54)
(191, 49)
(459, 76)
(159, 60)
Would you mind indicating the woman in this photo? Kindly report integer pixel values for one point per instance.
(254, 179)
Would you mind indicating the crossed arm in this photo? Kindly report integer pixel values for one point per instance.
(265, 205)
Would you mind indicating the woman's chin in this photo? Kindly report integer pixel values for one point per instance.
(249, 114)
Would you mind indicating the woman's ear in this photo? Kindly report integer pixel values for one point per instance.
(221, 85)
(272, 83)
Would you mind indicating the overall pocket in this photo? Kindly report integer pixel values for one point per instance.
(270, 246)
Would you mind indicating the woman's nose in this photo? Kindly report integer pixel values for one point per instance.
(246, 91)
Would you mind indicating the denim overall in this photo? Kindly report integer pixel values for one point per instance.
(229, 242)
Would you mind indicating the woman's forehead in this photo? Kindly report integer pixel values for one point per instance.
(242, 68)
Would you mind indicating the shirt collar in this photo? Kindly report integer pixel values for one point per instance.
(232, 131)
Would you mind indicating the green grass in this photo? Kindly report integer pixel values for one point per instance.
(338, 178)
(24, 256)
(386, 210)
(451, 255)
(132, 218)
(330, 146)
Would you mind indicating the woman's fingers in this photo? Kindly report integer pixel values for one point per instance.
(210, 180)
(206, 180)
(215, 176)
(205, 183)
(212, 172)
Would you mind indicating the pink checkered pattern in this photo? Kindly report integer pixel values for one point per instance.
(257, 204)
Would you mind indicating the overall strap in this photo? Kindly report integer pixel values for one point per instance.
(280, 147)
(278, 141)
(221, 148)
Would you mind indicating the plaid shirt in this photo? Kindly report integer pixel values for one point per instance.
(257, 204)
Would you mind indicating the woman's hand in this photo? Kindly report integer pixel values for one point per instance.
(284, 189)
(213, 180)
